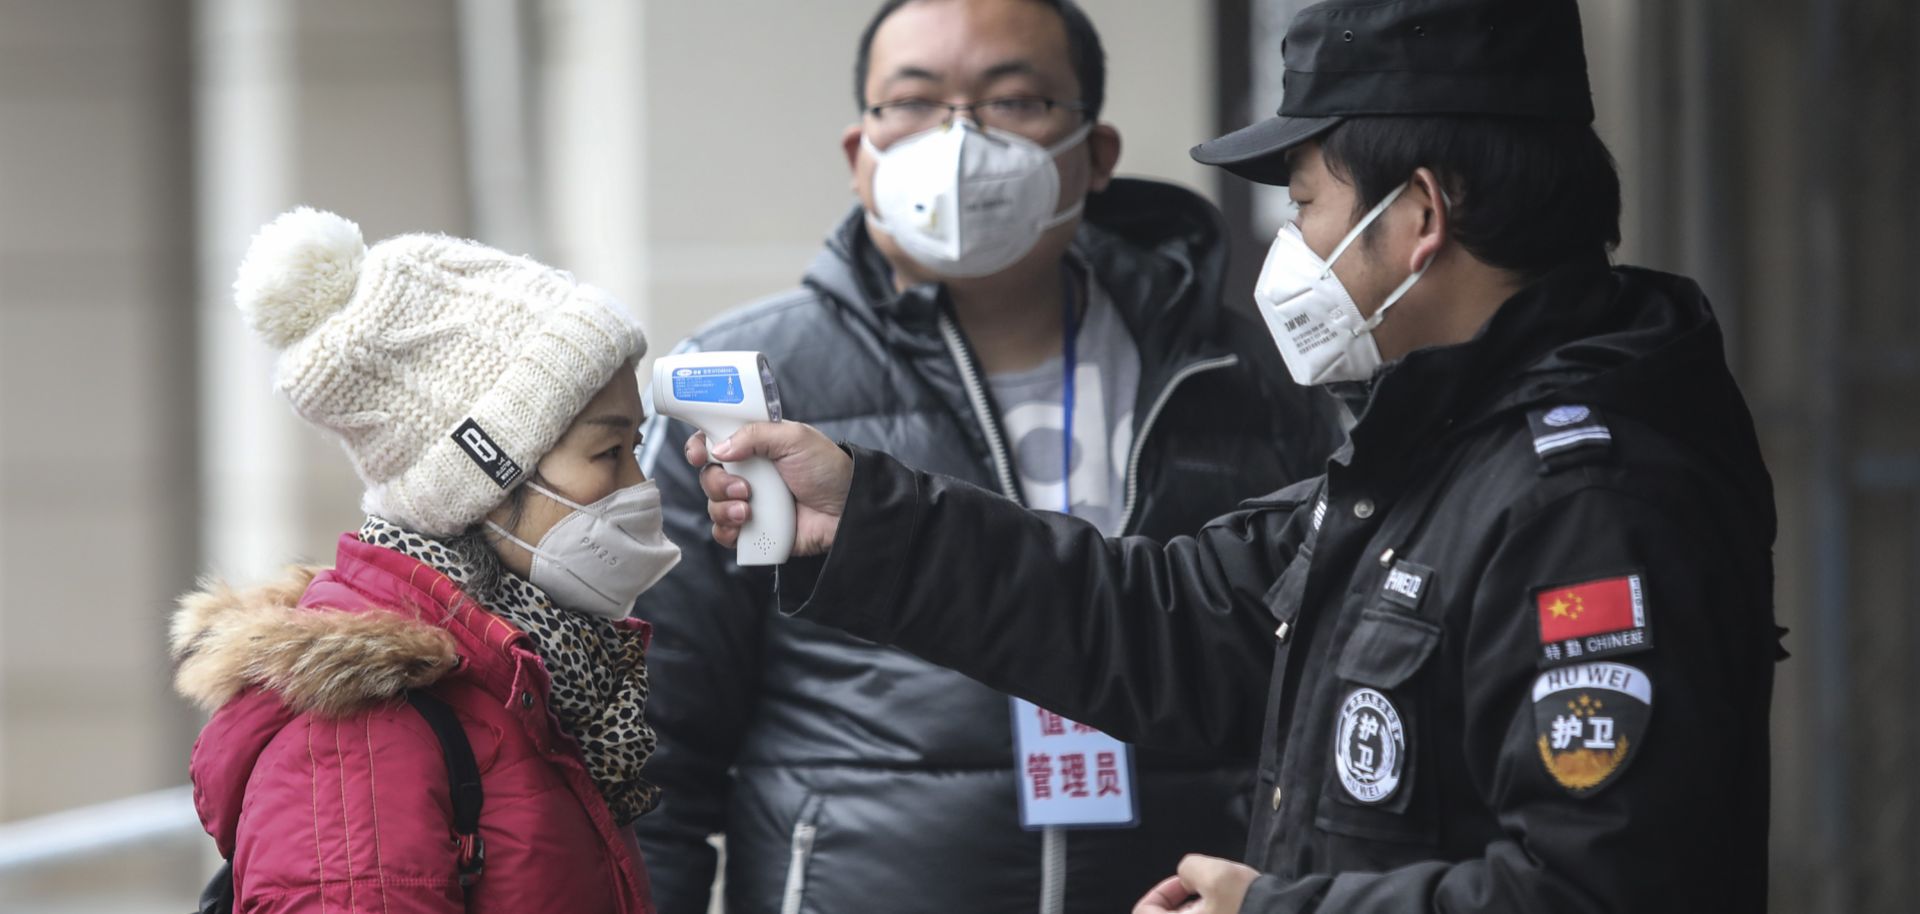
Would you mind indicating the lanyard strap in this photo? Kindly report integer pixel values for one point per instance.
(1069, 352)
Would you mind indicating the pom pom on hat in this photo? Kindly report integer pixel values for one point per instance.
(399, 348)
(300, 269)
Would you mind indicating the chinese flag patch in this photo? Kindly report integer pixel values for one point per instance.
(1592, 619)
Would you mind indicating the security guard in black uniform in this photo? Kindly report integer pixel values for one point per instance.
(1514, 650)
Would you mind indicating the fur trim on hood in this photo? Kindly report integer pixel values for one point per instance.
(326, 661)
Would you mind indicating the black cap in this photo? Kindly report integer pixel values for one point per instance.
(1349, 58)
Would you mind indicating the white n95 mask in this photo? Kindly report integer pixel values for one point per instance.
(966, 202)
(1314, 321)
(600, 558)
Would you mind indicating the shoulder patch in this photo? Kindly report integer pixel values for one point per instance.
(1562, 434)
(1589, 721)
(1592, 619)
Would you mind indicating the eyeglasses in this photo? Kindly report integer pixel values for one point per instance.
(1023, 114)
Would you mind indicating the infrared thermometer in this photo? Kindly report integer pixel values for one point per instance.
(717, 392)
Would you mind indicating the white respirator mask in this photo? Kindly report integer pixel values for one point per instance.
(963, 201)
(1314, 321)
(600, 558)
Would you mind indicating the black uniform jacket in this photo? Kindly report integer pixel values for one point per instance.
(1513, 652)
(843, 772)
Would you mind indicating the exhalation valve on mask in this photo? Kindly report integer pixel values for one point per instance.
(965, 202)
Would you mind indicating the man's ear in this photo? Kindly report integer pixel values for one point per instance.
(1434, 218)
(1103, 145)
(850, 146)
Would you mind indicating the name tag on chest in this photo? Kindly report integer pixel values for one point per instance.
(1070, 774)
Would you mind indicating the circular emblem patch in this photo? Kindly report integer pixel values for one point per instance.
(1370, 749)
(1563, 416)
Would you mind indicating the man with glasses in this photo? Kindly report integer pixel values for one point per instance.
(1513, 651)
(994, 280)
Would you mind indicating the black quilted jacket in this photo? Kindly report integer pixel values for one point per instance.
(852, 777)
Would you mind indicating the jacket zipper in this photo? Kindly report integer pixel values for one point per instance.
(797, 867)
(977, 395)
(1003, 468)
(996, 444)
(1146, 427)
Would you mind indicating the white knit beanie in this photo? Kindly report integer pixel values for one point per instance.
(446, 368)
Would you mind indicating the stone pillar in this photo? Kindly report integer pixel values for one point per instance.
(348, 106)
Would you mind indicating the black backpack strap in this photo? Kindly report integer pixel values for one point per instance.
(217, 897)
(463, 777)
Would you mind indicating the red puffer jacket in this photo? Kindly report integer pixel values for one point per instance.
(330, 794)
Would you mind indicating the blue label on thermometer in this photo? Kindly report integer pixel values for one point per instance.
(708, 385)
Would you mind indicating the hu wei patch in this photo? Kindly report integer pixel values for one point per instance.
(1590, 719)
(1592, 619)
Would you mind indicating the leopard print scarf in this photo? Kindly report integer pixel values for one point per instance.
(599, 670)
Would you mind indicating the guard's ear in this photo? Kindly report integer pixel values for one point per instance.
(1434, 218)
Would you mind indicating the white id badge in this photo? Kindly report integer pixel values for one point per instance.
(1070, 774)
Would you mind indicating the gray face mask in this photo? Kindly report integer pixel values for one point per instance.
(600, 558)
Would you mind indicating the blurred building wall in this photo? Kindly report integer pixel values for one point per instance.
(1773, 144)
(98, 488)
(97, 418)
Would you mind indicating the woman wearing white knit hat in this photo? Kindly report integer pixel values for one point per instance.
(490, 406)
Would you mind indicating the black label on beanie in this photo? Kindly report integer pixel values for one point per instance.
(481, 447)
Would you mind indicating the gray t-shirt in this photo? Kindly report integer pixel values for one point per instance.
(1031, 411)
